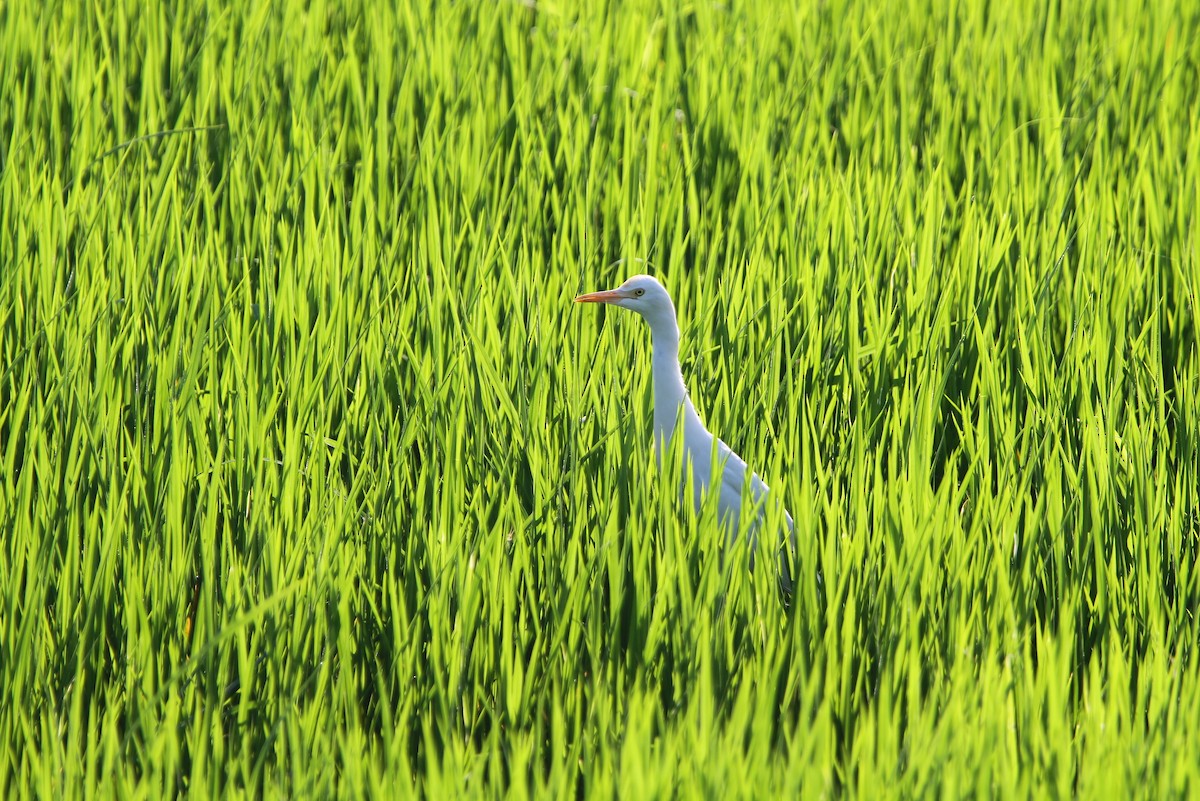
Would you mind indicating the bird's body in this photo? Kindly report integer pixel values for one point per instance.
(673, 408)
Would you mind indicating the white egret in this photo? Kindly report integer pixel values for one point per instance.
(672, 406)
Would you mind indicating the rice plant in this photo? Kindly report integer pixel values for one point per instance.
(314, 482)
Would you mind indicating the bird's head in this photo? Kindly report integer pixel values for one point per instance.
(642, 294)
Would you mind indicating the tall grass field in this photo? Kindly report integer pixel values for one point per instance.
(315, 483)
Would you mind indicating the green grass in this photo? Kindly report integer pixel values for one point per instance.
(314, 482)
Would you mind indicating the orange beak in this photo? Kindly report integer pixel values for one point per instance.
(607, 296)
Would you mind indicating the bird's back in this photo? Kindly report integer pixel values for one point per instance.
(706, 451)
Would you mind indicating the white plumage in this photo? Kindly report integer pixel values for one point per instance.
(646, 296)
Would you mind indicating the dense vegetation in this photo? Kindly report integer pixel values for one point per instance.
(314, 482)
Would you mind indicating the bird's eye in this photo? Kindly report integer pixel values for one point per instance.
(640, 292)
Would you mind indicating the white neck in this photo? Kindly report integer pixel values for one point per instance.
(671, 402)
